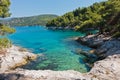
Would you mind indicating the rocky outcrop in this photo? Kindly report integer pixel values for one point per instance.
(93, 41)
(107, 69)
(103, 46)
(14, 57)
(109, 47)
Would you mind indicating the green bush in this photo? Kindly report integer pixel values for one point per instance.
(6, 30)
(5, 43)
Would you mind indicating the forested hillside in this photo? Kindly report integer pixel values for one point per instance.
(104, 16)
(29, 21)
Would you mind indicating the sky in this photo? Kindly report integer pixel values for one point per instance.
(22, 8)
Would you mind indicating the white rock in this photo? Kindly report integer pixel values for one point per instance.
(14, 58)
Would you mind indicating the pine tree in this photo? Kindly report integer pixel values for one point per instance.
(4, 30)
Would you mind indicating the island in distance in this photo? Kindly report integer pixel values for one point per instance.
(29, 21)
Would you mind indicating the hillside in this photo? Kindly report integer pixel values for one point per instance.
(29, 21)
(104, 16)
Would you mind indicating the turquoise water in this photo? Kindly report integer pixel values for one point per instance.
(57, 46)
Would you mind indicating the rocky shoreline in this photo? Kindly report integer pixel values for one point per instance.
(15, 57)
(102, 46)
(107, 68)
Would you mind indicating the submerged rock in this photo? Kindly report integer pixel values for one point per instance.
(93, 51)
(89, 58)
(84, 53)
(33, 64)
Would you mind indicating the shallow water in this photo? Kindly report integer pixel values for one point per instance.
(57, 46)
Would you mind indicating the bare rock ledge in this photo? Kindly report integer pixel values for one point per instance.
(15, 57)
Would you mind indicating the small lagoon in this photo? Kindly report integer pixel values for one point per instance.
(57, 46)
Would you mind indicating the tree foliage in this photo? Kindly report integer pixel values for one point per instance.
(5, 43)
(104, 16)
(4, 12)
(4, 30)
(4, 8)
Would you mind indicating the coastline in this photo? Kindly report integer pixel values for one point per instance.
(106, 68)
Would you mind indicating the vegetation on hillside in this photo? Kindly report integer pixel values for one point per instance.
(104, 16)
(4, 30)
(30, 21)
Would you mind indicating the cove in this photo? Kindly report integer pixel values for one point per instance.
(57, 46)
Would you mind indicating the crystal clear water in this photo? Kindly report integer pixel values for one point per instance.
(57, 46)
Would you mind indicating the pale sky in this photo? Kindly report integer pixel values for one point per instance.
(21, 8)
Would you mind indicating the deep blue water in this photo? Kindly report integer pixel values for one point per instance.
(57, 46)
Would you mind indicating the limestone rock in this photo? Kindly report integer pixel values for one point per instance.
(110, 47)
(93, 41)
(14, 58)
(107, 69)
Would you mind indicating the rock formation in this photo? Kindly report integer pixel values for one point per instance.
(14, 57)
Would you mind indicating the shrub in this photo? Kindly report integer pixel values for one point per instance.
(6, 30)
(5, 43)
